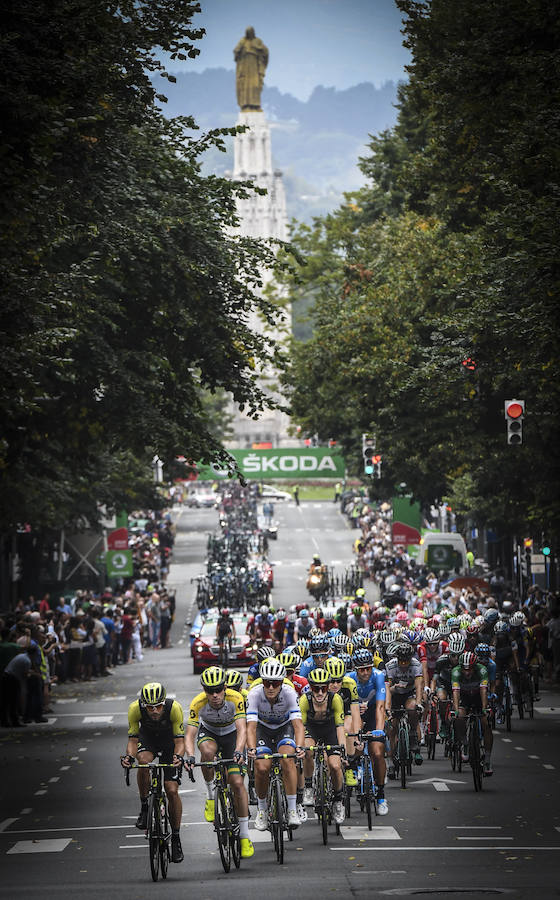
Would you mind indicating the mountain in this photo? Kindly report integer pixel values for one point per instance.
(315, 143)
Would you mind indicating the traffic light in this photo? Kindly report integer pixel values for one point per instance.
(514, 411)
(368, 452)
(377, 463)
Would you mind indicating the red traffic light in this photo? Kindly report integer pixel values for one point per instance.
(514, 410)
(469, 364)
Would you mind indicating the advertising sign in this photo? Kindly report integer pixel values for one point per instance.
(292, 462)
(118, 539)
(119, 563)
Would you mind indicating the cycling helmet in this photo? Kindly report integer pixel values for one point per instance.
(404, 652)
(391, 650)
(444, 630)
(288, 660)
(340, 642)
(319, 676)
(358, 640)
(292, 618)
(517, 620)
(234, 679)
(362, 657)
(152, 694)
(395, 627)
(333, 632)
(468, 660)
(263, 610)
(360, 592)
(453, 622)
(335, 667)
(483, 651)
(213, 677)
(431, 636)
(302, 647)
(347, 660)
(501, 628)
(357, 611)
(402, 616)
(304, 614)
(271, 669)
(314, 632)
(319, 644)
(386, 637)
(377, 659)
(472, 628)
(456, 643)
(225, 611)
(281, 614)
(464, 621)
(491, 616)
(263, 652)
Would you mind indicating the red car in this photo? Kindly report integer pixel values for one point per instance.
(206, 652)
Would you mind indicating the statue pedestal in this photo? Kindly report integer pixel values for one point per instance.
(260, 216)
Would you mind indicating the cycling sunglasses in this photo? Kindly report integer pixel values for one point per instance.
(215, 690)
(336, 680)
(319, 688)
(154, 705)
(268, 683)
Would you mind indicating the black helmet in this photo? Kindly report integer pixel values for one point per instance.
(404, 651)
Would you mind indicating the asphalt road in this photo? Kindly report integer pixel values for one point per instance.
(67, 818)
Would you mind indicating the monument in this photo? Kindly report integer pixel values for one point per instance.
(260, 215)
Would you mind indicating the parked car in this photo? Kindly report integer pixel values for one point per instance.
(272, 493)
(204, 647)
(201, 499)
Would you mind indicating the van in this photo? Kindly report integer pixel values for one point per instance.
(443, 551)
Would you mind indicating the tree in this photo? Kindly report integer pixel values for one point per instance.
(127, 296)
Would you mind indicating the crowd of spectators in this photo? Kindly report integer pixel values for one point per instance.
(85, 635)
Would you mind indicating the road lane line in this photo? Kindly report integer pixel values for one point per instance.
(54, 779)
(534, 757)
(492, 837)
(477, 849)
(26, 811)
(6, 823)
(41, 792)
(477, 827)
(64, 768)
(548, 766)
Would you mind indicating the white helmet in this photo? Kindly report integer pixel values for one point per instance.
(517, 619)
(272, 670)
(456, 642)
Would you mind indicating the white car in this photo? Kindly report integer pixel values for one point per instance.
(271, 493)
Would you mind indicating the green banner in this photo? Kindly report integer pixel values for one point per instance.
(119, 563)
(292, 462)
(407, 511)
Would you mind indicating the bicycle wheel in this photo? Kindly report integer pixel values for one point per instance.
(474, 755)
(347, 799)
(221, 827)
(279, 818)
(233, 830)
(530, 699)
(368, 794)
(321, 797)
(153, 836)
(507, 708)
(431, 734)
(164, 839)
(403, 753)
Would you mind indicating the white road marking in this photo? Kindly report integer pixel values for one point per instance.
(534, 757)
(64, 768)
(440, 786)
(82, 749)
(519, 748)
(6, 823)
(259, 837)
(109, 699)
(506, 740)
(431, 849)
(74, 758)
(52, 845)
(130, 847)
(89, 720)
(67, 700)
(378, 833)
(551, 711)
(474, 827)
(41, 792)
(548, 766)
(54, 779)
(439, 780)
(26, 811)
(492, 837)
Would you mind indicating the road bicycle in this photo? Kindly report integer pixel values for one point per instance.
(475, 747)
(402, 756)
(366, 790)
(158, 831)
(432, 726)
(526, 694)
(226, 822)
(323, 789)
(505, 708)
(277, 803)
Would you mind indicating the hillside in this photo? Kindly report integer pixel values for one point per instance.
(315, 143)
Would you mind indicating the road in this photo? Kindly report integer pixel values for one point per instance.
(67, 819)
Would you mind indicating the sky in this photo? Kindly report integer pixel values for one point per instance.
(336, 43)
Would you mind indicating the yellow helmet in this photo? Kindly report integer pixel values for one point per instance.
(213, 677)
(289, 660)
(318, 676)
(377, 659)
(152, 694)
(335, 667)
(234, 679)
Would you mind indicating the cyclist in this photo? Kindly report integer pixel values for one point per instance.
(290, 662)
(505, 655)
(370, 684)
(429, 651)
(470, 692)
(279, 630)
(253, 670)
(304, 624)
(274, 726)
(156, 728)
(441, 681)
(217, 722)
(356, 620)
(405, 683)
(262, 625)
(322, 714)
(340, 683)
(225, 630)
(319, 649)
(234, 680)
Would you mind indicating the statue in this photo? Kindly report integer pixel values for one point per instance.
(251, 57)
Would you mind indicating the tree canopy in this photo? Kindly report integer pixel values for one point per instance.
(448, 253)
(127, 296)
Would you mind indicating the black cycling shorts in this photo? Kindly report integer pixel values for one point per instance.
(471, 700)
(226, 744)
(398, 701)
(269, 739)
(165, 755)
(322, 731)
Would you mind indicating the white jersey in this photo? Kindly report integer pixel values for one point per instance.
(285, 708)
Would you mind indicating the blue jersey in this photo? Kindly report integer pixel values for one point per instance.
(371, 690)
(491, 666)
(306, 667)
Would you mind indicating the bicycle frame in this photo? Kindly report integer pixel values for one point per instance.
(277, 803)
(158, 832)
(226, 823)
(402, 757)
